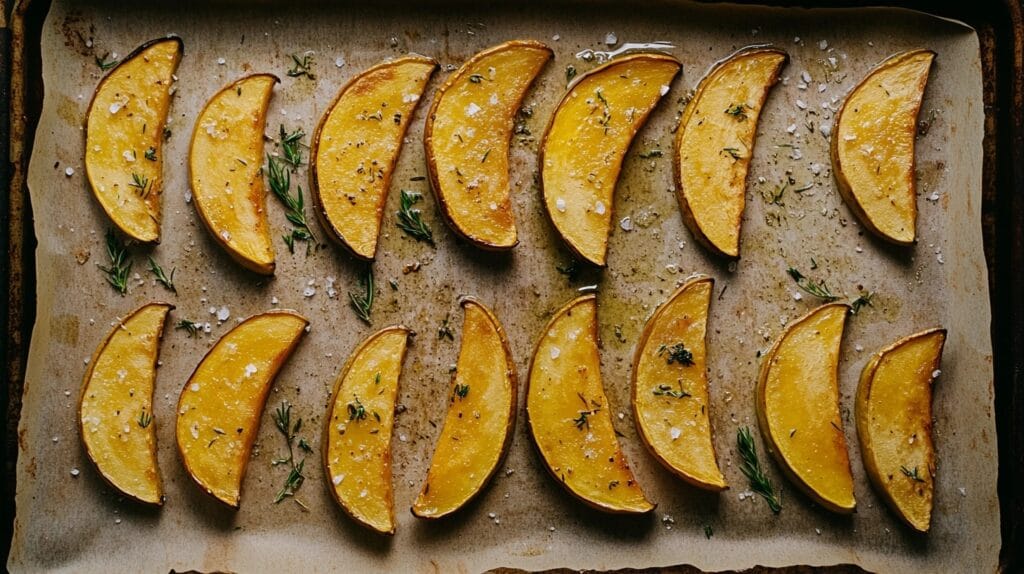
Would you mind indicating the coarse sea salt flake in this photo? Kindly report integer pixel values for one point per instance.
(664, 90)
(555, 352)
(69, 171)
(472, 109)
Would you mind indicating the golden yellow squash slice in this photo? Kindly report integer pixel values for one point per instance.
(715, 142)
(225, 163)
(481, 415)
(115, 413)
(124, 136)
(670, 386)
(873, 146)
(586, 141)
(356, 145)
(894, 423)
(467, 137)
(569, 416)
(798, 407)
(357, 431)
(221, 405)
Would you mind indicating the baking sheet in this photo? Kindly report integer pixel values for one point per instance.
(77, 524)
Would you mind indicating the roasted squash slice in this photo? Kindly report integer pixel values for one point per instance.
(586, 141)
(569, 416)
(481, 415)
(894, 424)
(220, 408)
(467, 137)
(225, 163)
(356, 145)
(670, 386)
(124, 137)
(798, 407)
(715, 143)
(115, 413)
(357, 431)
(873, 146)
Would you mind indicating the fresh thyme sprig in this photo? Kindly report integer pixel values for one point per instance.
(105, 64)
(911, 474)
(664, 390)
(751, 468)
(410, 220)
(738, 111)
(145, 419)
(302, 66)
(141, 184)
(677, 353)
(732, 152)
(190, 327)
(291, 146)
(864, 300)
(120, 265)
(363, 304)
(445, 330)
(461, 391)
(161, 277)
(818, 289)
(280, 183)
(295, 478)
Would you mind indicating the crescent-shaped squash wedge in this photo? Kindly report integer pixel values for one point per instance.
(115, 414)
(467, 137)
(670, 386)
(225, 163)
(569, 417)
(356, 145)
(357, 431)
(586, 141)
(481, 415)
(124, 137)
(798, 407)
(873, 146)
(221, 405)
(894, 424)
(715, 142)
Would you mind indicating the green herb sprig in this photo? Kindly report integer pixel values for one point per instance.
(190, 327)
(664, 390)
(280, 183)
(864, 300)
(819, 289)
(141, 184)
(144, 419)
(291, 145)
(105, 64)
(302, 66)
(120, 264)
(295, 478)
(410, 220)
(161, 277)
(751, 468)
(738, 111)
(363, 304)
(461, 391)
(445, 330)
(677, 353)
(911, 474)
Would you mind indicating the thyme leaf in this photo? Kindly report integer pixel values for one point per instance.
(663, 390)
(445, 330)
(911, 474)
(105, 64)
(677, 353)
(120, 265)
(864, 300)
(738, 111)
(819, 289)
(732, 152)
(161, 277)
(145, 419)
(461, 391)
(363, 304)
(356, 410)
(302, 66)
(291, 145)
(751, 468)
(410, 220)
(190, 327)
(141, 184)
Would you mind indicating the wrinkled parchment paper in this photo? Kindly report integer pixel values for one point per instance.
(75, 523)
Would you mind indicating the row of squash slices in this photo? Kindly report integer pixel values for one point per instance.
(467, 135)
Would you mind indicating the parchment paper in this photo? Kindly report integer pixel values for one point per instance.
(525, 520)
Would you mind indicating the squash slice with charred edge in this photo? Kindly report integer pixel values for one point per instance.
(715, 143)
(220, 408)
(124, 137)
(586, 141)
(798, 407)
(670, 386)
(481, 415)
(569, 416)
(225, 163)
(467, 140)
(873, 146)
(115, 412)
(894, 424)
(357, 431)
(356, 145)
